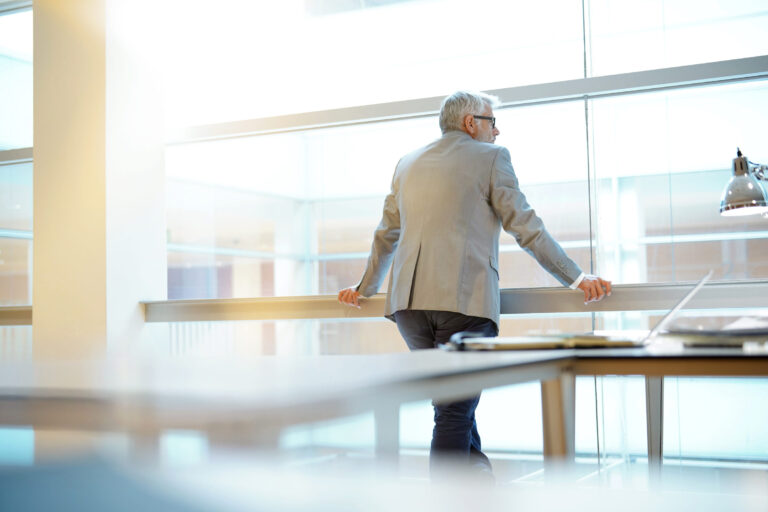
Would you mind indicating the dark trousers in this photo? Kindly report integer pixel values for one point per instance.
(454, 437)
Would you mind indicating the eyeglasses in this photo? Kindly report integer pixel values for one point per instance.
(488, 118)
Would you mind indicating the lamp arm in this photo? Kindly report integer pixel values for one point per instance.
(759, 170)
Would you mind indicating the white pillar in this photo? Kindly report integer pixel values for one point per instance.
(99, 228)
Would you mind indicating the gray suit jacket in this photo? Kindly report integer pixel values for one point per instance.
(441, 224)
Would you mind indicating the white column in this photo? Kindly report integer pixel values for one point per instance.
(99, 227)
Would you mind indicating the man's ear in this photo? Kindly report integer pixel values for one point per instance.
(469, 124)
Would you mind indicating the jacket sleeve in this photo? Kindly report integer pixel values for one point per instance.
(520, 220)
(385, 241)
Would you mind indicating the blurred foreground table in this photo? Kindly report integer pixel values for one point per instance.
(249, 401)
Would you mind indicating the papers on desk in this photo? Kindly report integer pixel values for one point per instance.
(720, 330)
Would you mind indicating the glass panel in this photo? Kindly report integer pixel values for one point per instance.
(705, 419)
(182, 448)
(353, 53)
(224, 242)
(313, 200)
(277, 337)
(256, 216)
(15, 233)
(633, 36)
(546, 144)
(15, 272)
(509, 419)
(661, 162)
(351, 433)
(716, 419)
(15, 199)
(16, 80)
(346, 225)
(610, 413)
(310, 201)
(16, 342)
(17, 446)
(545, 323)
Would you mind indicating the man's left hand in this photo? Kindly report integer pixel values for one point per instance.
(594, 288)
(350, 297)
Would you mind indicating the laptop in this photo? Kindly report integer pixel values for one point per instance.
(475, 341)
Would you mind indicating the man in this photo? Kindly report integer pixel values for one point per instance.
(441, 224)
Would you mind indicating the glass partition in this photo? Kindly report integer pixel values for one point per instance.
(16, 80)
(252, 338)
(303, 224)
(15, 178)
(715, 419)
(358, 53)
(15, 233)
(661, 162)
(633, 36)
(15, 342)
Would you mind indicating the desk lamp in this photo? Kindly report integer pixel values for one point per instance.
(744, 195)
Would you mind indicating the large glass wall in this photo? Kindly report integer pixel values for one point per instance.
(321, 54)
(15, 176)
(633, 36)
(316, 55)
(15, 234)
(16, 80)
(293, 214)
(661, 162)
(629, 184)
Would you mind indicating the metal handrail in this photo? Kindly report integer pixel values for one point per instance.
(514, 301)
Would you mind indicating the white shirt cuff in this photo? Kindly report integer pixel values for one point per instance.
(578, 281)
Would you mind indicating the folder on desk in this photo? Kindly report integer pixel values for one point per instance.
(470, 343)
(474, 341)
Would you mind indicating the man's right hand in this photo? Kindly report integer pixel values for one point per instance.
(350, 297)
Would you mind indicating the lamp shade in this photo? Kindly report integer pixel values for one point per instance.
(743, 195)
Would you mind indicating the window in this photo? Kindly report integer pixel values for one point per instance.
(661, 161)
(16, 80)
(627, 37)
(629, 183)
(15, 161)
(269, 58)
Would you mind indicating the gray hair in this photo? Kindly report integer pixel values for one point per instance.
(456, 106)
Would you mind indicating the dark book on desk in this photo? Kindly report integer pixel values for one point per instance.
(541, 342)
